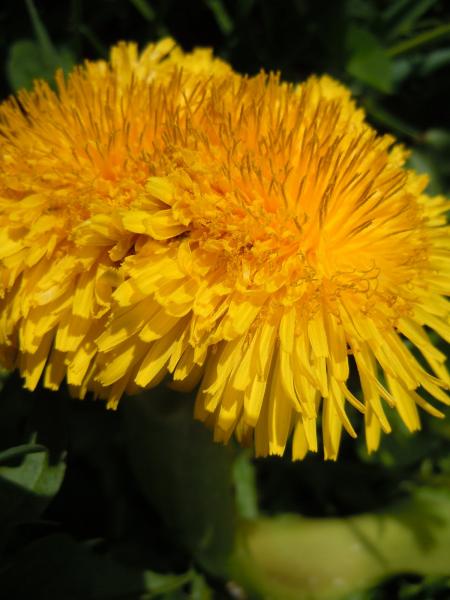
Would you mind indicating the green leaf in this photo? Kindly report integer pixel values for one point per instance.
(160, 583)
(297, 558)
(27, 62)
(245, 485)
(183, 474)
(20, 451)
(438, 138)
(402, 68)
(435, 60)
(35, 474)
(58, 567)
(26, 489)
(200, 590)
(368, 61)
(423, 163)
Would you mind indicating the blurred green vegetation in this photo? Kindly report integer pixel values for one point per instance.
(90, 507)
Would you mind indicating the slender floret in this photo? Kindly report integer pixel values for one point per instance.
(164, 217)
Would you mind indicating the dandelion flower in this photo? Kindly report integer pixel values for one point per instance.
(164, 217)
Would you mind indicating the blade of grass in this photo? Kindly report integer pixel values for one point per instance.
(419, 40)
(42, 37)
(393, 9)
(392, 122)
(145, 9)
(410, 17)
(221, 15)
(94, 41)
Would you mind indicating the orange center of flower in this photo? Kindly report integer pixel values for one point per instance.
(283, 209)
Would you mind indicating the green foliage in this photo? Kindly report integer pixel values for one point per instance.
(46, 565)
(28, 62)
(36, 59)
(27, 488)
(245, 486)
(369, 62)
(114, 557)
(56, 566)
(224, 22)
(186, 477)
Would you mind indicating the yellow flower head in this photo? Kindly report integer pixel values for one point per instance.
(163, 215)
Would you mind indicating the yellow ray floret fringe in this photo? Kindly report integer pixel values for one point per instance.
(161, 215)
